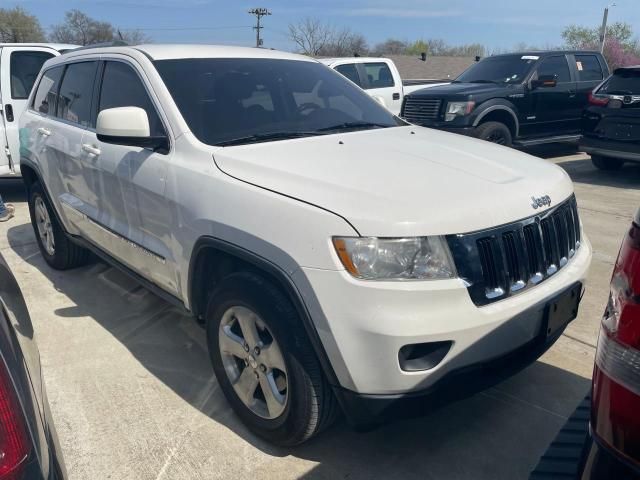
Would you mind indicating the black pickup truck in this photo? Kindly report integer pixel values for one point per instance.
(517, 99)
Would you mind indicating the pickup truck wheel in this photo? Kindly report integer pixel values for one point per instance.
(606, 163)
(494, 132)
(264, 362)
(58, 251)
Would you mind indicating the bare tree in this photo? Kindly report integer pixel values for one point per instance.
(391, 46)
(81, 29)
(16, 25)
(344, 43)
(133, 37)
(310, 35)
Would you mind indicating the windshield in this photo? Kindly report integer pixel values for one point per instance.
(231, 101)
(626, 82)
(502, 69)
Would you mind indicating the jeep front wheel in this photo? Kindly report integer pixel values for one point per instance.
(494, 132)
(264, 362)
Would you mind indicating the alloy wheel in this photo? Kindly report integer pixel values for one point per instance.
(45, 229)
(253, 362)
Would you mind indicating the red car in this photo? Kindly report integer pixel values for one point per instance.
(610, 418)
(613, 451)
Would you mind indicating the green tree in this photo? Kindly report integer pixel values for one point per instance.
(578, 36)
(417, 47)
(17, 25)
(621, 48)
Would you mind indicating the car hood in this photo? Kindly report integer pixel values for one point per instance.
(402, 181)
(464, 90)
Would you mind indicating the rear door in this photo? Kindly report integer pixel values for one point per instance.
(554, 107)
(589, 73)
(351, 71)
(19, 68)
(66, 159)
(380, 82)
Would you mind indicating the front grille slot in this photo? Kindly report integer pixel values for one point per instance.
(488, 262)
(532, 243)
(417, 110)
(514, 273)
(502, 261)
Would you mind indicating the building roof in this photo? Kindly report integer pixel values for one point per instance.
(433, 68)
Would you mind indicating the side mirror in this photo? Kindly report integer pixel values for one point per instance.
(128, 126)
(545, 81)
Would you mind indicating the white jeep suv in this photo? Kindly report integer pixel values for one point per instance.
(338, 257)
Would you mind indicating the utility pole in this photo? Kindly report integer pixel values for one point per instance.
(259, 13)
(603, 31)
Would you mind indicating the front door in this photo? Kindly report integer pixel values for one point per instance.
(130, 182)
(381, 84)
(554, 107)
(19, 68)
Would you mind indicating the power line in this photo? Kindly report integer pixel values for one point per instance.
(259, 13)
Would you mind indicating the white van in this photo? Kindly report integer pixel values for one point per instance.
(19, 67)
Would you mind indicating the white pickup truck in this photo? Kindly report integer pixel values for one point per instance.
(379, 77)
(20, 64)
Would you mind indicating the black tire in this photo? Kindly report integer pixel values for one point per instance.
(494, 132)
(606, 163)
(311, 405)
(66, 254)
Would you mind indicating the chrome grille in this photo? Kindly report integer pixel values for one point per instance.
(503, 261)
(417, 109)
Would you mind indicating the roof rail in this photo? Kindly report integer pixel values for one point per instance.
(115, 43)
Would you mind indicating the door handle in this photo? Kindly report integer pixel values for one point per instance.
(90, 149)
(44, 132)
(8, 111)
(396, 96)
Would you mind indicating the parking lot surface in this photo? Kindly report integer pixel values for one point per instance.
(133, 394)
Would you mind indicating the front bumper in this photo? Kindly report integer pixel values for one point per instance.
(368, 322)
(611, 148)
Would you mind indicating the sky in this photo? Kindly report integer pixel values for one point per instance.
(497, 24)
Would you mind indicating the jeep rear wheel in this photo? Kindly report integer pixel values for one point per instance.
(494, 132)
(264, 362)
(606, 163)
(58, 251)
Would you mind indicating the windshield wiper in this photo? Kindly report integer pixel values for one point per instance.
(352, 125)
(264, 137)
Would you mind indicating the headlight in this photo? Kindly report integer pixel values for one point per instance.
(418, 258)
(458, 109)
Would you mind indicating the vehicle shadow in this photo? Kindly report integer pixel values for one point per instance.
(499, 433)
(582, 171)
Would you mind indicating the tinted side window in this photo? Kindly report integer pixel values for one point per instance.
(25, 67)
(122, 87)
(379, 75)
(350, 71)
(556, 66)
(74, 102)
(589, 68)
(46, 96)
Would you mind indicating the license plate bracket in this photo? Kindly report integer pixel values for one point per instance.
(562, 309)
